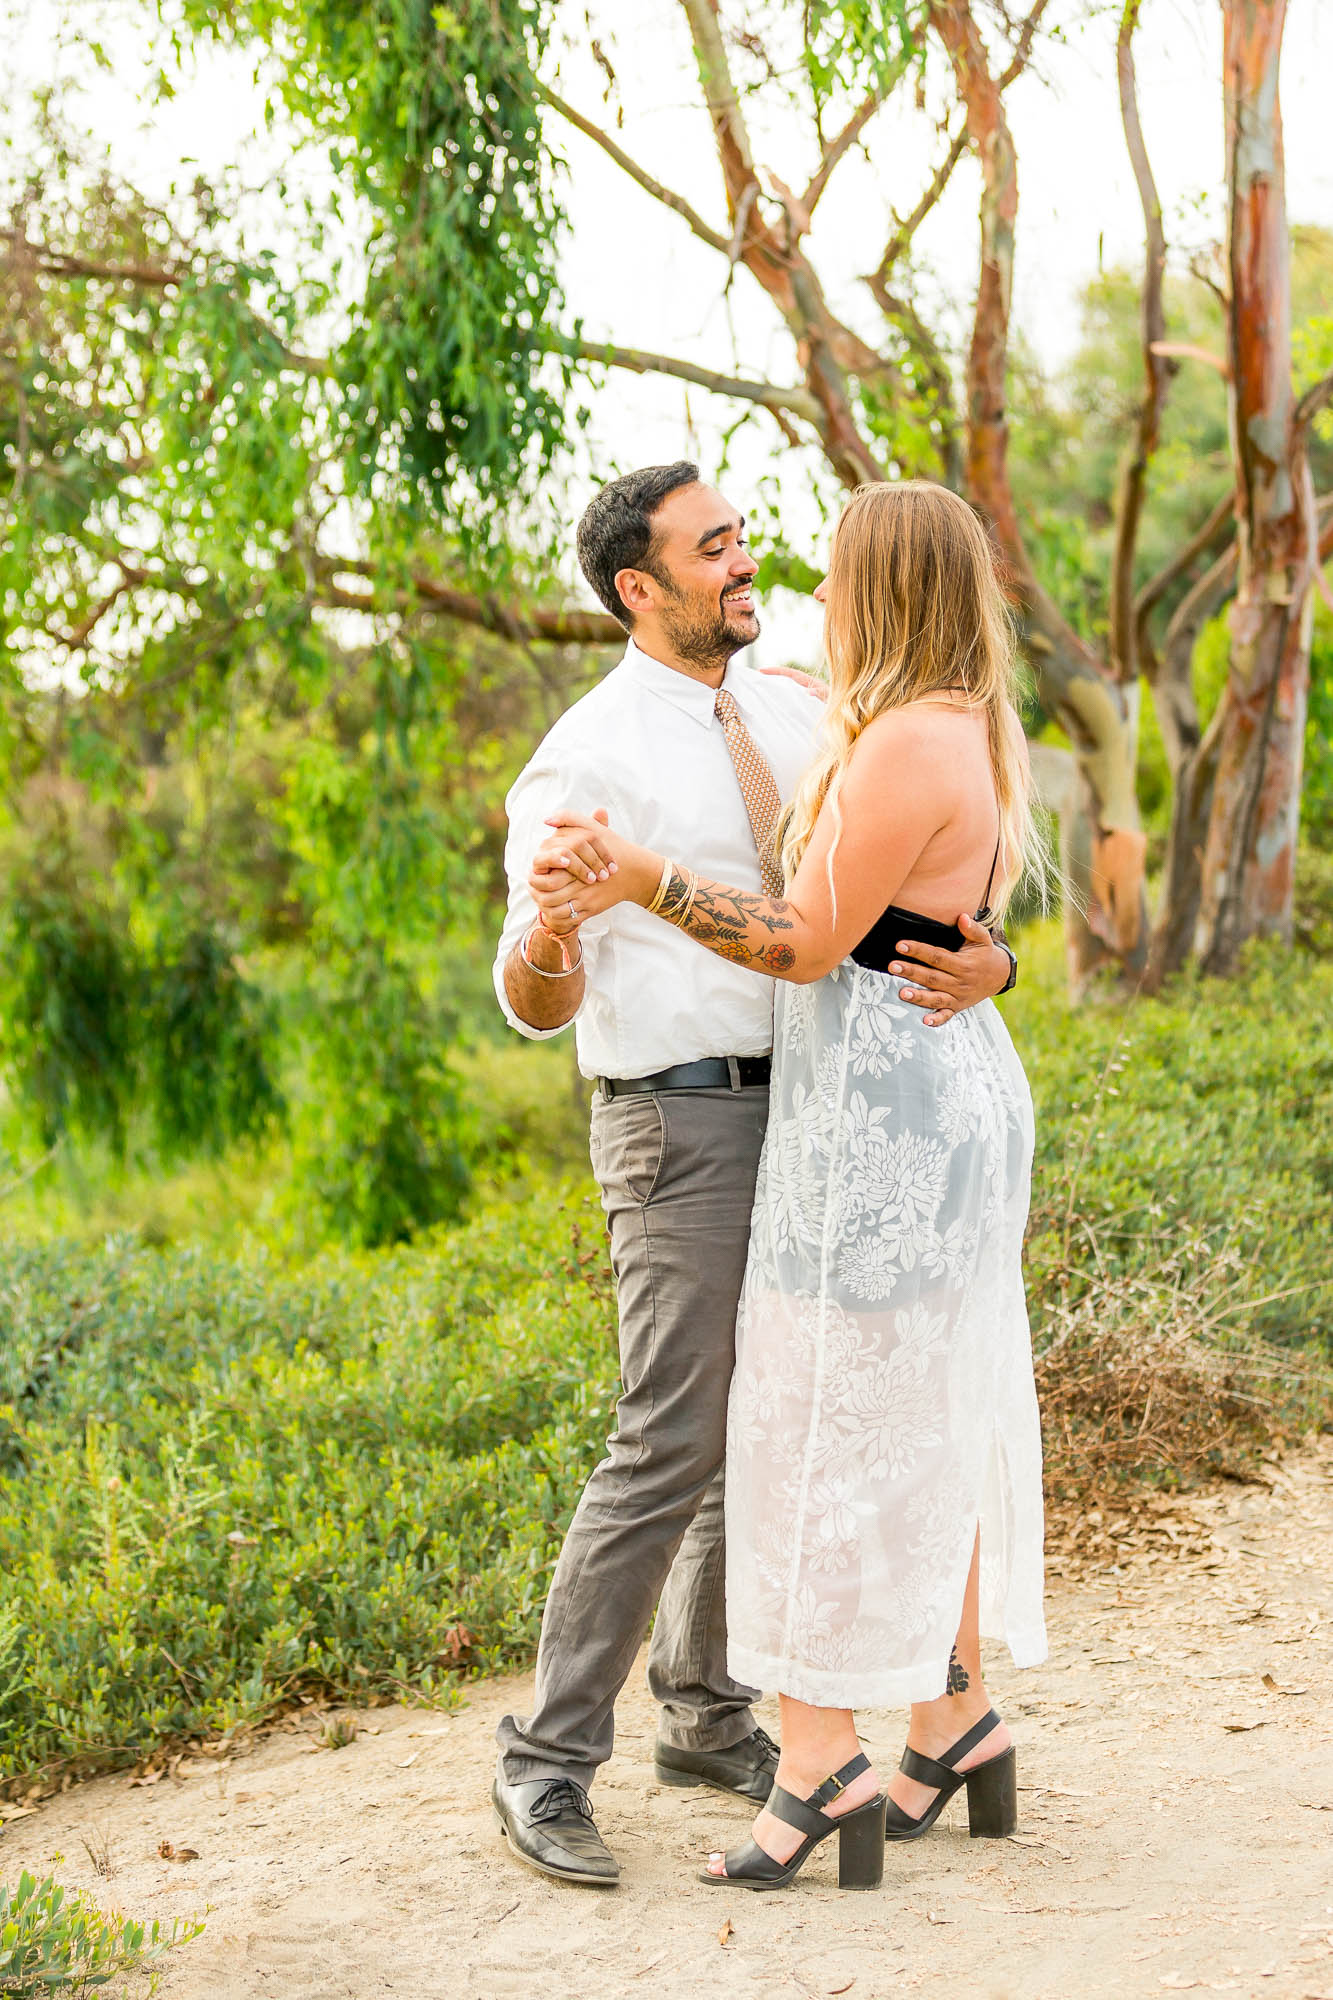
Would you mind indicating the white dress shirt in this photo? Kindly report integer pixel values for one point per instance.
(646, 744)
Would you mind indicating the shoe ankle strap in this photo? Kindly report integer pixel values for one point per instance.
(940, 1771)
(990, 1720)
(835, 1786)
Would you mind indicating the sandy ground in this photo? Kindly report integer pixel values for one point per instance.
(1176, 1759)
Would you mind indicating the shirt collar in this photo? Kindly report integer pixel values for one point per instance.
(691, 697)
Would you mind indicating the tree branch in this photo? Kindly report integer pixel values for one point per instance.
(904, 231)
(563, 627)
(638, 174)
(154, 278)
(1157, 369)
(1018, 62)
(724, 106)
(1188, 352)
(790, 402)
(838, 146)
(1314, 400)
(1184, 559)
(829, 350)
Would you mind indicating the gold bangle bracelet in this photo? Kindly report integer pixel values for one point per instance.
(655, 906)
(672, 914)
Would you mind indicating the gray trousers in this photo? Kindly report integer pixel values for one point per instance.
(677, 1174)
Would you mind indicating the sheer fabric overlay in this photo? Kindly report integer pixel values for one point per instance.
(883, 1403)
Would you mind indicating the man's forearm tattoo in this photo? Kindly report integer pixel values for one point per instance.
(735, 924)
(959, 1680)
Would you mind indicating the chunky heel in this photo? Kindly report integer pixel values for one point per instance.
(861, 1847)
(992, 1787)
(992, 1797)
(860, 1838)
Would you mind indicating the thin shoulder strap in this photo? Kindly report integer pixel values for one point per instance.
(983, 914)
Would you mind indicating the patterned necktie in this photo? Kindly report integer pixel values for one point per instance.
(758, 788)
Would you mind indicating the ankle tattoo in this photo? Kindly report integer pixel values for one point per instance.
(959, 1681)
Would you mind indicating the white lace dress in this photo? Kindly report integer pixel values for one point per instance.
(883, 1403)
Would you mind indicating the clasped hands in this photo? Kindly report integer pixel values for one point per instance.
(584, 868)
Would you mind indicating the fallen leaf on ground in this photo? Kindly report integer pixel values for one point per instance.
(1273, 1687)
(166, 1852)
(934, 1917)
(146, 1778)
(1177, 1982)
(846, 1987)
(1257, 1722)
(727, 1932)
(403, 1762)
(10, 1813)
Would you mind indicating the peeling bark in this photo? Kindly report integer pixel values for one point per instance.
(1157, 369)
(1092, 707)
(1250, 849)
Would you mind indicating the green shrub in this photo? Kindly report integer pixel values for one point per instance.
(228, 1478)
(227, 1483)
(53, 1941)
(1207, 1111)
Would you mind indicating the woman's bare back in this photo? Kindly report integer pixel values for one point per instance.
(949, 875)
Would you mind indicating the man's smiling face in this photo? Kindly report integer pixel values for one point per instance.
(699, 593)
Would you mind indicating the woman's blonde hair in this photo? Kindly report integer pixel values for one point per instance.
(914, 606)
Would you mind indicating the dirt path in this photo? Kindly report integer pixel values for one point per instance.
(1161, 1849)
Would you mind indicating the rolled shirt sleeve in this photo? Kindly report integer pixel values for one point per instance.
(548, 784)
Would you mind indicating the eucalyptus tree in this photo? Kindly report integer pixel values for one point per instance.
(878, 394)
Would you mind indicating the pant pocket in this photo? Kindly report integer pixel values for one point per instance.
(629, 1145)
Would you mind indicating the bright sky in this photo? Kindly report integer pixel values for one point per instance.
(635, 274)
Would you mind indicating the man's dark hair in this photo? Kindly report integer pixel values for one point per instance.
(617, 531)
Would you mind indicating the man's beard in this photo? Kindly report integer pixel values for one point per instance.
(698, 632)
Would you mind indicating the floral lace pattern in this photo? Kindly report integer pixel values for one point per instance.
(883, 1403)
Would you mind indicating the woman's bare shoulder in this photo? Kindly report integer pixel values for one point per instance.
(920, 730)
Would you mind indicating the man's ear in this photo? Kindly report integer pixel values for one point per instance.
(635, 593)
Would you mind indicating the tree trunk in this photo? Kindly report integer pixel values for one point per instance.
(1092, 708)
(1249, 853)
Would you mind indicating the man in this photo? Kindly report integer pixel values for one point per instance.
(689, 753)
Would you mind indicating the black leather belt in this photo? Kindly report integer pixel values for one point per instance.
(710, 1073)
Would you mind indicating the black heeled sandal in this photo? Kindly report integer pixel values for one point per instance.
(860, 1838)
(992, 1788)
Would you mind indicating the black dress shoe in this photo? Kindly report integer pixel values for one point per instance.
(747, 1769)
(549, 1824)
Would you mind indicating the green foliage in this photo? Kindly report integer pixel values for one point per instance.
(857, 45)
(430, 115)
(312, 1481)
(53, 1941)
(97, 1029)
(352, 1477)
(385, 1143)
(1070, 432)
(206, 1034)
(1218, 1120)
(383, 1138)
(68, 1021)
(1317, 790)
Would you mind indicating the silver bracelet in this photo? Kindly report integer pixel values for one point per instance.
(540, 970)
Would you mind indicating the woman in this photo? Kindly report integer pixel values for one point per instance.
(884, 1462)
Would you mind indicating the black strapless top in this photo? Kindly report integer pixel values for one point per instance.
(879, 947)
